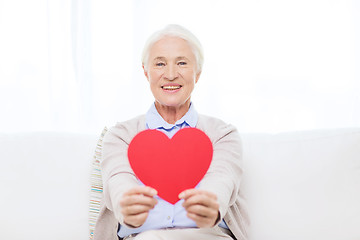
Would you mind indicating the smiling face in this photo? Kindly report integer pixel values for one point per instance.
(172, 74)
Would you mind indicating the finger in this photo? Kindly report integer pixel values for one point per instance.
(145, 190)
(139, 195)
(201, 221)
(136, 220)
(191, 192)
(201, 200)
(138, 199)
(202, 211)
(135, 209)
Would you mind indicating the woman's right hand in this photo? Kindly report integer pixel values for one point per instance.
(136, 204)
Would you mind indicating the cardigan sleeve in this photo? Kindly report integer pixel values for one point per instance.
(117, 175)
(224, 175)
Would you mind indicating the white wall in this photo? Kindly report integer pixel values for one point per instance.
(270, 66)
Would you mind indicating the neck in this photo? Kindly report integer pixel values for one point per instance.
(172, 114)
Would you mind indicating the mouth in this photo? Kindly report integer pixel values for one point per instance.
(171, 87)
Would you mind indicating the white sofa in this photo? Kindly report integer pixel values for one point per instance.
(299, 185)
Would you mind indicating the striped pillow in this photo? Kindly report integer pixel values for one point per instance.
(96, 184)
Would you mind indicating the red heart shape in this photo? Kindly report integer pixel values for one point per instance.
(170, 165)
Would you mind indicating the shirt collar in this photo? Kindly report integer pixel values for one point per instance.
(155, 121)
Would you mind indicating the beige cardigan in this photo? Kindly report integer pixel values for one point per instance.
(223, 177)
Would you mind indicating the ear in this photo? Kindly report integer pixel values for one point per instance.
(197, 77)
(145, 72)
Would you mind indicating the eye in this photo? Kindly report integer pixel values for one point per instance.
(160, 64)
(182, 63)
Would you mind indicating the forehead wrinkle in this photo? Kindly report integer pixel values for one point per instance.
(177, 58)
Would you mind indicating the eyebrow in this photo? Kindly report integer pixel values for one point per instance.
(159, 58)
(182, 57)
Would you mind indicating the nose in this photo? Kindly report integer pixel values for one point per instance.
(170, 72)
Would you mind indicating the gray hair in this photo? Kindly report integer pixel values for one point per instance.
(174, 30)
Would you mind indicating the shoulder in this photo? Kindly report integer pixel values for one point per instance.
(132, 124)
(207, 121)
(216, 128)
(126, 130)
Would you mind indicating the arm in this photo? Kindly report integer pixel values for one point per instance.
(220, 186)
(129, 202)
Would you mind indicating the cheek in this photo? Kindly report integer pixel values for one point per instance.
(188, 74)
(154, 76)
(192, 76)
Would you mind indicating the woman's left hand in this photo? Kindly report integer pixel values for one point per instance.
(201, 206)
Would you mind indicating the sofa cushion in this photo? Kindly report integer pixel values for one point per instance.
(303, 185)
(45, 185)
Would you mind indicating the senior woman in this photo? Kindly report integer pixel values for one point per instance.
(172, 63)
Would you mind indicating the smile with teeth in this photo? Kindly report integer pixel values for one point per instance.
(171, 87)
